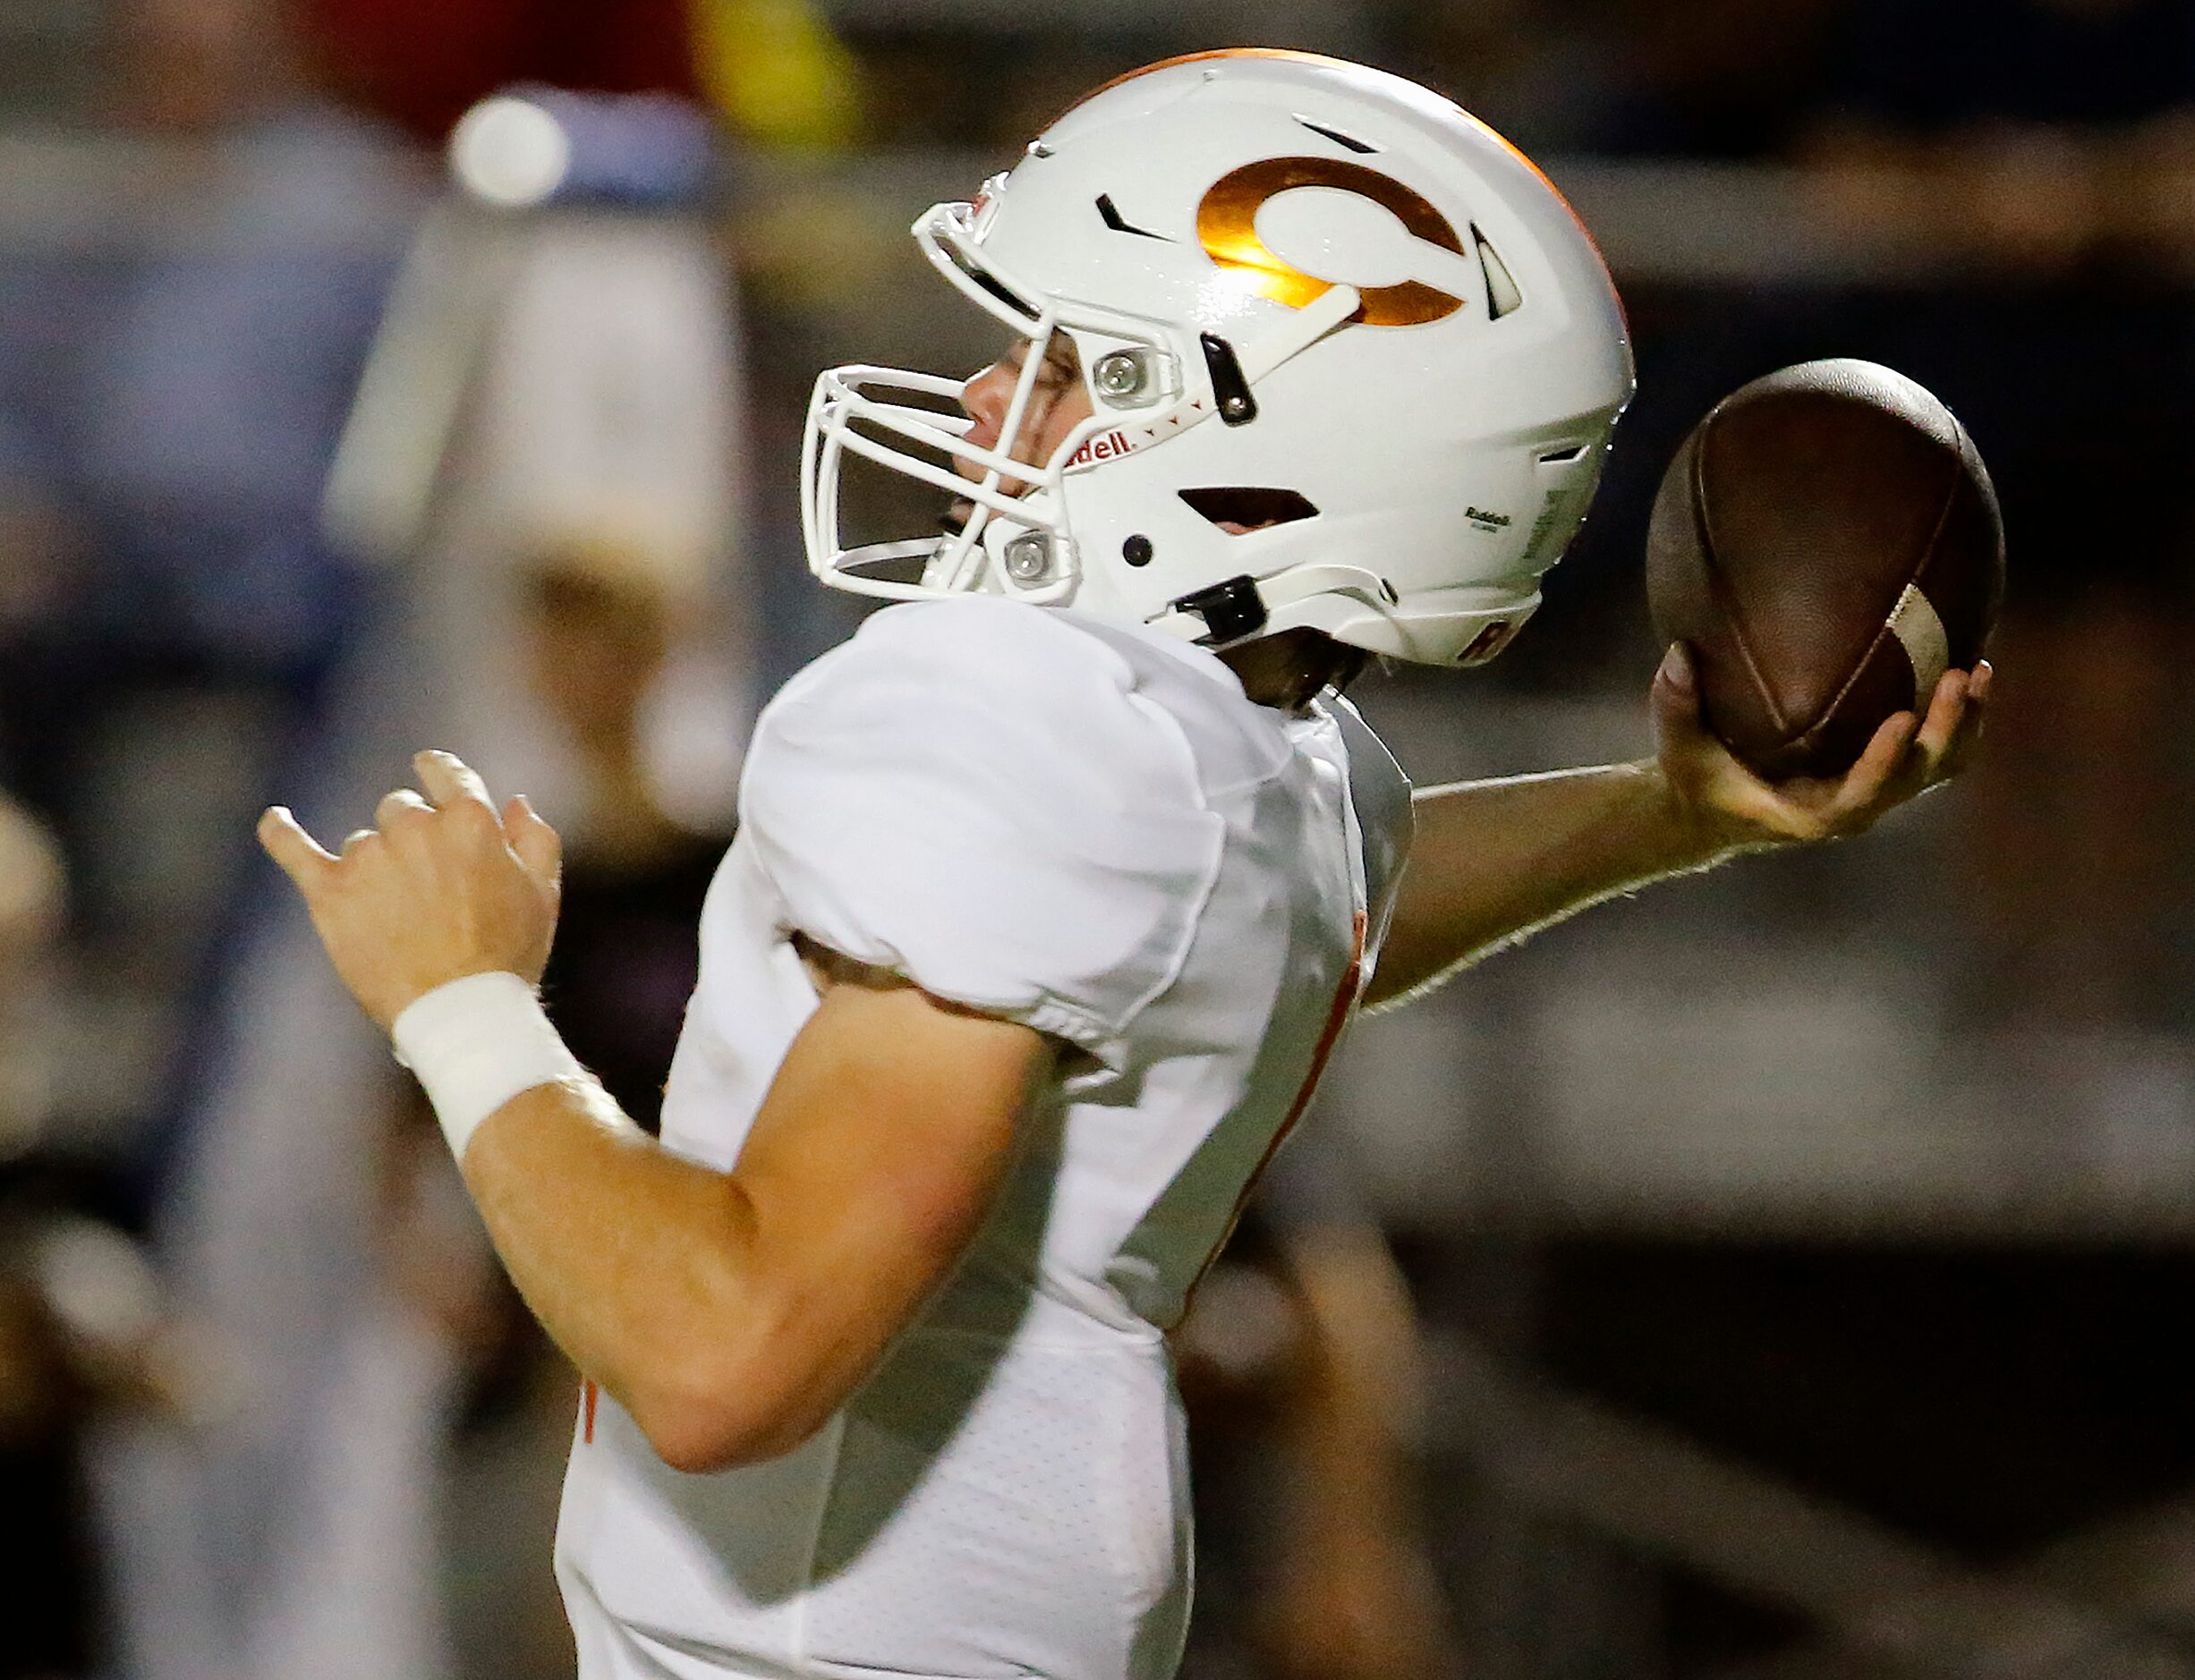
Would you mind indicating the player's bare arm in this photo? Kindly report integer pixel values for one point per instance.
(730, 1313)
(1493, 861)
(733, 1313)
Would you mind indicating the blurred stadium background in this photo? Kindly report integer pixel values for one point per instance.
(1776, 1277)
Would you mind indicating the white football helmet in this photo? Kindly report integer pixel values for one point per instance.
(1284, 274)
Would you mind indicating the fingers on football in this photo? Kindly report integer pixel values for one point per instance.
(1946, 710)
(537, 845)
(301, 857)
(1966, 738)
(450, 781)
(1867, 781)
(1675, 694)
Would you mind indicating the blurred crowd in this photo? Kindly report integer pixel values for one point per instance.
(321, 440)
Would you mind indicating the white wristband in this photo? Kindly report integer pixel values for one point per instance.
(474, 1044)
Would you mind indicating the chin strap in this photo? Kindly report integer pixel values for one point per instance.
(1240, 607)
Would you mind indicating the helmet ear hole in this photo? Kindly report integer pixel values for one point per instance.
(1244, 508)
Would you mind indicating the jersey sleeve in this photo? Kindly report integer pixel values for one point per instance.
(973, 793)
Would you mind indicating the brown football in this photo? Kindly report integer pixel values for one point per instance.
(1827, 543)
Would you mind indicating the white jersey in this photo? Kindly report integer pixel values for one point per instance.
(1083, 826)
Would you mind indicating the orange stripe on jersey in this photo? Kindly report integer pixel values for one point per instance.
(1337, 1018)
(589, 1393)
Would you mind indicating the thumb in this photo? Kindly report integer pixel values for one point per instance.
(537, 845)
(302, 857)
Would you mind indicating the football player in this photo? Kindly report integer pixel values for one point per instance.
(1055, 888)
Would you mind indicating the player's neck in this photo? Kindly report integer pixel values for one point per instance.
(1289, 670)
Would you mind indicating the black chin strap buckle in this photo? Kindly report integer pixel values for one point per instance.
(1231, 610)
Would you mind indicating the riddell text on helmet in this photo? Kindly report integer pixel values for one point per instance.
(1104, 446)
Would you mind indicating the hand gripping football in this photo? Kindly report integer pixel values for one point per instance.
(1827, 543)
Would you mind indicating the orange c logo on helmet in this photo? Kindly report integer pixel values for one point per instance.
(1227, 227)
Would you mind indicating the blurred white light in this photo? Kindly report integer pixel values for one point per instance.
(97, 1282)
(510, 152)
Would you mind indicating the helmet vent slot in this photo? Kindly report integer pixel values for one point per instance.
(1563, 457)
(1250, 507)
(1502, 296)
(1109, 214)
(1341, 137)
